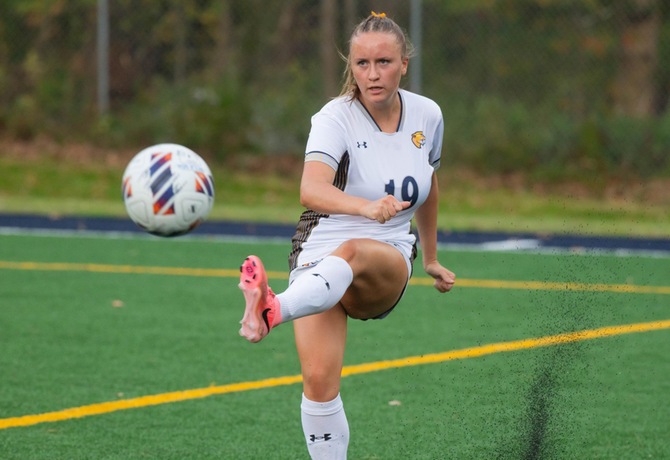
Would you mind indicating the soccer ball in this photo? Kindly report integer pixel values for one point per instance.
(168, 189)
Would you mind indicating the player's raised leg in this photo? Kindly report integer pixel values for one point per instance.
(314, 291)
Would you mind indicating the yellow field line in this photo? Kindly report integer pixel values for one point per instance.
(232, 273)
(118, 269)
(165, 398)
(558, 286)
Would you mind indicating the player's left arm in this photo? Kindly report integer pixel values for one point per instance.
(426, 222)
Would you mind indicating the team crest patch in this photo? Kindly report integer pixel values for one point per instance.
(418, 139)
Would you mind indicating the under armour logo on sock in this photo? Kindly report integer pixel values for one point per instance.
(324, 280)
(325, 437)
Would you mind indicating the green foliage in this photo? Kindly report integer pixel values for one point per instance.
(282, 111)
(660, 145)
(500, 135)
(525, 85)
(213, 118)
(497, 136)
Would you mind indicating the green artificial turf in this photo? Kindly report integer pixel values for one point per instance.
(105, 326)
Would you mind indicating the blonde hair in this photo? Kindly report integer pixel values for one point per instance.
(373, 23)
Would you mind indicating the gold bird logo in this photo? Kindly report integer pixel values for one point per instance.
(418, 139)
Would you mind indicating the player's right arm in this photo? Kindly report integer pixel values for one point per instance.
(318, 193)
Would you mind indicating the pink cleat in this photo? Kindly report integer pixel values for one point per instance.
(261, 312)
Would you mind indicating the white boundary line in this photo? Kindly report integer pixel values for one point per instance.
(526, 246)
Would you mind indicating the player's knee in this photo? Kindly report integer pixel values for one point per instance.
(348, 250)
(320, 385)
(355, 251)
(317, 377)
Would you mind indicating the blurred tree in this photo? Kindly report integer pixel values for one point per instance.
(222, 54)
(282, 47)
(634, 88)
(328, 47)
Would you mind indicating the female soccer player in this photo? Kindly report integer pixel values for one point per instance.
(369, 169)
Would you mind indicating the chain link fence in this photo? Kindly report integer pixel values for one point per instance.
(536, 85)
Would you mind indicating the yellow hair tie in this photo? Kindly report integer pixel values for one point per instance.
(378, 15)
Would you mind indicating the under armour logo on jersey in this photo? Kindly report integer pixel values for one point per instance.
(325, 437)
(362, 144)
(418, 139)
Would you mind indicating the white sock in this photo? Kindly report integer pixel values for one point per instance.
(326, 429)
(317, 290)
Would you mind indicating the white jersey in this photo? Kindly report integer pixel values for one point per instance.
(370, 164)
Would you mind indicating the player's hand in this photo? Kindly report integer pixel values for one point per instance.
(444, 278)
(383, 209)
